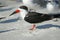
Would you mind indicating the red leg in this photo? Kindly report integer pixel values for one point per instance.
(33, 27)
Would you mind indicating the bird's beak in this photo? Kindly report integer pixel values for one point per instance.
(16, 11)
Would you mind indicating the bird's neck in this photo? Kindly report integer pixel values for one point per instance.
(23, 13)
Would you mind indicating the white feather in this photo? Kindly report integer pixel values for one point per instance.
(23, 13)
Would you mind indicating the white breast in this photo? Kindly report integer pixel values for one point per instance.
(23, 13)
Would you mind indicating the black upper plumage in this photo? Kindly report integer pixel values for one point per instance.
(34, 17)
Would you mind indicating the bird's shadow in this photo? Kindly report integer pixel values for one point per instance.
(47, 26)
(2, 31)
(10, 20)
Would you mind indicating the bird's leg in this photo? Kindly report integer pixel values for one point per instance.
(33, 27)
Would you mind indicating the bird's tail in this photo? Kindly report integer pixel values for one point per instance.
(56, 15)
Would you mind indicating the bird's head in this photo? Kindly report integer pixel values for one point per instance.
(23, 10)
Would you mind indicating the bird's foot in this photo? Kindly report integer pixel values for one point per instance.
(33, 27)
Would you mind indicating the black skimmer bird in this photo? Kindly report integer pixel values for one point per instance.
(33, 17)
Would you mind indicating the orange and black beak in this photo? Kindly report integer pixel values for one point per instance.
(17, 11)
